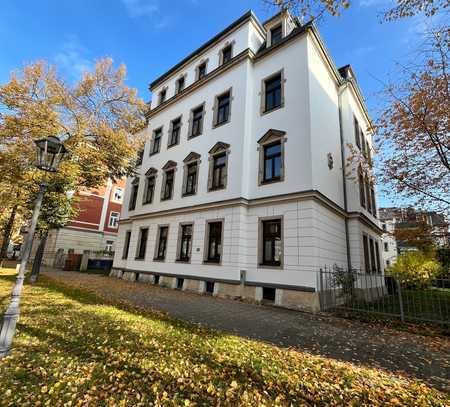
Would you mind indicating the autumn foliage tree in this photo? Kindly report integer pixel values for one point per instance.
(99, 119)
(315, 9)
(414, 129)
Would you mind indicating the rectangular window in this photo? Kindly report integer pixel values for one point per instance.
(226, 54)
(162, 96)
(366, 254)
(197, 122)
(214, 249)
(109, 246)
(162, 243)
(271, 242)
(201, 71)
(386, 246)
(191, 179)
(118, 194)
(372, 197)
(223, 108)
(377, 254)
(149, 190)
(185, 243)
(219, 171)
(175, 132)
(133, 196)
(272, 162)
(368, 198)
(156, 142)
(113, 220)
(126, 246)
(168, 185)
(357, 132)
(142, 246)
(272, 95)
(372, 256)
(139, 158)
(362, 191)
(276, 34)
(180, 84)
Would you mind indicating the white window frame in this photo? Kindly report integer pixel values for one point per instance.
(115, 224)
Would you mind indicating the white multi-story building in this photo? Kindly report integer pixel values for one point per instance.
(243, 189)
(390, 251)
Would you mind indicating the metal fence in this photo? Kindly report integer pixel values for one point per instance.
(356, 291)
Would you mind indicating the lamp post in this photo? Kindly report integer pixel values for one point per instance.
(50, 152)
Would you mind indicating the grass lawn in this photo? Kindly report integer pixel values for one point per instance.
(74, 348)
(429, 305)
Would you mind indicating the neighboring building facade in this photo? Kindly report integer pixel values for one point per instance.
(390, 250)
(241, 190)
(93, 229)
(431, 227)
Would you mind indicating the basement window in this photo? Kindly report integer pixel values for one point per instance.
(209, 287)
(180, 282)
(268, 294)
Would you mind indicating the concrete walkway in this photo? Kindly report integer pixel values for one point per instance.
(413, 355)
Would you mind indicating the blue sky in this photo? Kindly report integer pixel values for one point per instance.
(150, 36)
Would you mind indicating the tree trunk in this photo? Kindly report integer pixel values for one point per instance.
(7, 232)
(38, 259)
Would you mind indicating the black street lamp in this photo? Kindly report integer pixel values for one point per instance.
(50, 152)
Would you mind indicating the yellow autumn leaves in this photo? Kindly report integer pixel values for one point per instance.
(74, 349)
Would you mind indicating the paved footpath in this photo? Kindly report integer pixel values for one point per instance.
(341, 339)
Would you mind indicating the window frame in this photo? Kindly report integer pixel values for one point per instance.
(263, 107)
(181, 79)
(270, 138)
(158, 130)
(204, 64)
(163, 189)
(162, 95)
(219, 149)
(156, 256)
(362, 188)
(133, 194)
(181, 228)
(230, 47)
(216, 107)
(140, 241)
(116, 223)
(116, 188)
(169, 139)
(261, 240)
(191, 121)
(126, 245)
(272, 29)
(145, 200)
(206, 257)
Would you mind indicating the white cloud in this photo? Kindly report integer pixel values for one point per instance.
(72, 59)
(141, 8)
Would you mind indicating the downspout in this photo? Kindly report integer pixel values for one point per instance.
(344, 184)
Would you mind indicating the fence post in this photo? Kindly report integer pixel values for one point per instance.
(400, 300)
(321, 295)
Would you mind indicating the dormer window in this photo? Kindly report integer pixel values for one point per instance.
(180, 84)
(201, 71)
(162, 96)
(227, 54)
(276, 34)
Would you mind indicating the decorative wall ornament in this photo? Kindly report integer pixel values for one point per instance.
(330, 161)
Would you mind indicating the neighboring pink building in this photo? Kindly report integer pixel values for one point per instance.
(95, 226)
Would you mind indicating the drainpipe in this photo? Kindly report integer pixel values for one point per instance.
(344, 184)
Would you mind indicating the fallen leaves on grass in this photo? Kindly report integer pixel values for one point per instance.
(72, 349)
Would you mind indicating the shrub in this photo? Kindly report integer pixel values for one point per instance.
(415, 269)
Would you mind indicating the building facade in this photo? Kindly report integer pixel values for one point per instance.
(409, 229)
(93, 229)
(243, 188)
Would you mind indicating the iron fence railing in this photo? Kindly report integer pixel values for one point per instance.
(384, 295)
